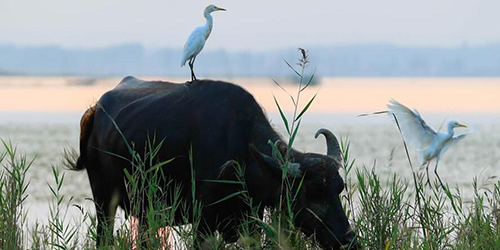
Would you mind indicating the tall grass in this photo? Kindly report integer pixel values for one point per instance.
(382, 211)
(398, 213)
(13, 186)
(288, 235)
(386, 213)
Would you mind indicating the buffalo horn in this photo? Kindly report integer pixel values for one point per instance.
(332, 145)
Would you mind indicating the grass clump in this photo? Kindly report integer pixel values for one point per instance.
(13, 186)
(398, 213)
(383, 212)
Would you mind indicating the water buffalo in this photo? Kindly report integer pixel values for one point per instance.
(217, 122)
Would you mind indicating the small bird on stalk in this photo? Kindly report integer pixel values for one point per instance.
(197, 39)
(426, 141)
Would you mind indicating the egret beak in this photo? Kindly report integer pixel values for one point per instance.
(219, 8)
(461, 125)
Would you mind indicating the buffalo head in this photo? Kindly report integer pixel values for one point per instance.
(317, 207)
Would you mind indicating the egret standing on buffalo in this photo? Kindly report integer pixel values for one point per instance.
(197, 39)
(429, 143)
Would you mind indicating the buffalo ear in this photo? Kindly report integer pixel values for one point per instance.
(282, 147)
(264, 161)
(269, 163)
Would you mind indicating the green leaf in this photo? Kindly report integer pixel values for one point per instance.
(52, 190)
(128, 176)
(131, 151)
(292, 138)
(113, 154)
(57, 245)
(159, 165)
(283, 117)
(306, 107)
(225, 182)
(299, 187)
(228, 197)
(276, 151)
(268, 229)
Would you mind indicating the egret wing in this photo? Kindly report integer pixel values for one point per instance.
(193, 45)
(454, 141)
(414, 129)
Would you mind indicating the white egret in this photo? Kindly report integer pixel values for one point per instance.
(426, 141)
(197, 39)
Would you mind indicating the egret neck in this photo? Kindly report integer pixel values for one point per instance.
(451, 126)
(209, 24)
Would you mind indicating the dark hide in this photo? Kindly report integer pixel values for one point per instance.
(220, 122)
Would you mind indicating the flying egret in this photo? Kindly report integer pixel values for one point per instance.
(197, 39)
(426, 141)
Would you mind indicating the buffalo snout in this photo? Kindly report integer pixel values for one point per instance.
(352, 241)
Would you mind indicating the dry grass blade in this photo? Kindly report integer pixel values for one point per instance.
(309, 81)
(291, 67)
(374, 113)
(279, 85)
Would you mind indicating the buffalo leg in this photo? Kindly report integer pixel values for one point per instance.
(106, 200)
(106, 205)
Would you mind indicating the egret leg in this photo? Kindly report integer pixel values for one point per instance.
(427, 170)
(190, 63)
(191, 66)
(437, 175)
(194, 58)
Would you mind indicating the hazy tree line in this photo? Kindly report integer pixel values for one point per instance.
(368, 60)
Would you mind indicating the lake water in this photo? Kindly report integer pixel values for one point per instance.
(41, 115)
